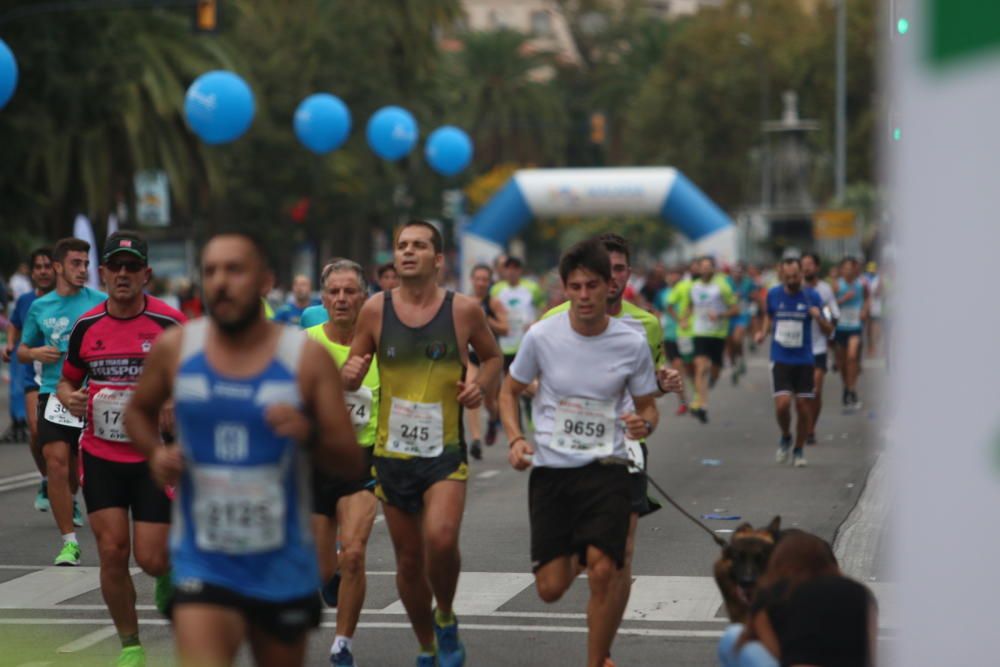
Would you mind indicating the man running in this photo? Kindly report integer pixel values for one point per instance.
(679, 307)
(421, 334)
(302, 298)
(523, 300)
(43, 278)
(852, 297)
(712, 303)
(831, 312)
(792, 308)
(670, 332)
(496, 318)
(246, 392)
(44, 340)
(107, 348)
(743, 287)
(347, 506)
(579, 492)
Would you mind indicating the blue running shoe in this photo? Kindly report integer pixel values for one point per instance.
(77, 517)
(426, 660)
(42, 497)
(343, 658)
(330, 591)
(451, 652)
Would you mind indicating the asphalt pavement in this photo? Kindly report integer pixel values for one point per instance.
(55, 616)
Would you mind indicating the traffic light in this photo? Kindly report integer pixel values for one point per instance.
(206, 16)
(598, 128)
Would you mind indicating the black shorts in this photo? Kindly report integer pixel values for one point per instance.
(573, 508)
(795, 379)
(841, 338)
(49, 432)
(671, 349)
(819, 361)
(403, 482)
(286, 621)
(126, 485)
(711, 347)
(327, 491)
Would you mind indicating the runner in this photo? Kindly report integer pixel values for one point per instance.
(792, 308)
(678, 307)
(388, 277)
(744, 288)
(107, 348)
(820, 345)
(586, 364)
(421, 333)
(852, 297)
(302, 298)
(873, 328)
(244, 563)
(496, 317)
(523, 300)
(44, 340)
(755, 311)
(670, 332)
(712, 303)
(44, 279)
(347, 505)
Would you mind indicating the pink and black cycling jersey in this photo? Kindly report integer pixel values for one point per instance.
(109, 353)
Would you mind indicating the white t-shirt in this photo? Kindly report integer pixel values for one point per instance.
(582, 379)
(829, 301)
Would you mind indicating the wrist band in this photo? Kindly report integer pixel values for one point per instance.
(511, 443)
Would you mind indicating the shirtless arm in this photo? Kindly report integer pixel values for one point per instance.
(485, 344)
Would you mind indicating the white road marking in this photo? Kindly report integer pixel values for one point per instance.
(480, 593)
(49, 586)
(487, 474)
(14, 486)
(20, 478)
(674, 599)
(87, 640)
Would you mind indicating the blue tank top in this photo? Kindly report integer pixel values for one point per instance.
(241, 514)
(850, 310)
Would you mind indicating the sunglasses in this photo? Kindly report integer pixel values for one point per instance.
(114, 266)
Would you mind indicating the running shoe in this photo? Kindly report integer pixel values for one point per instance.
(427, 660)
(42, 497)
(10, 436)
(343, 658)
(682, 409)
(132, 656)
(784, 447)
(330, 591)
(476, 450)
(69, 555)
(77, 517)
(701, 414)
(163, 594)
(451, 652)
(798, 460)
(491, 432)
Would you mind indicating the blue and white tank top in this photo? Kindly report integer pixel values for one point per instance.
(241, 514)
(850, 310)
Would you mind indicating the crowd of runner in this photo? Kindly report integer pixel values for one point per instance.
(232, 460)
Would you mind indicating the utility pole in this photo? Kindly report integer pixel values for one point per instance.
(840, 175)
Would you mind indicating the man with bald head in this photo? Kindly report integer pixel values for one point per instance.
(302, 298)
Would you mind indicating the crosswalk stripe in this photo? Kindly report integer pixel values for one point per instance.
(48, 587)
(87, 640)
(673, 599)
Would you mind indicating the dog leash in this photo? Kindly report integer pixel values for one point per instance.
(615, 460)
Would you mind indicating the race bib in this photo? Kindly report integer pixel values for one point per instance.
(516, 324)
(703, 321)
(415, 429)
(788, 333)
(685, 346)
(359, 406)
(108, 412)
(636, 459)
(850, 316)
(584, 426)
(57, 413)
(239, 510)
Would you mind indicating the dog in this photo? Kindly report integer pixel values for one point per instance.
(743, 560)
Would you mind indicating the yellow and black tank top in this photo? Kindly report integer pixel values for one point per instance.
(419, 368)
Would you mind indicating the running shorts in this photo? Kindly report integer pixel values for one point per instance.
(287, 621)
(126, 485)
(819, 361)
(49, 432)
(671, 350)
(711, 347)
(842, 337)
(403, 482)
(793, 379)
(573, 508)
(327, 491)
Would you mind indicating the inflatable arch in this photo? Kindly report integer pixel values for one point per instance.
(538, 193)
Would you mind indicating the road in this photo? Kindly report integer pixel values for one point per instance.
(55, 616)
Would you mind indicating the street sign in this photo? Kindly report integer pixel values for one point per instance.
(152, 198)
(834, 225)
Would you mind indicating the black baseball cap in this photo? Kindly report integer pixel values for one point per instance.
(123, 242)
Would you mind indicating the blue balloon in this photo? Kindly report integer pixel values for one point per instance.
(392, 132)
(448, 150)
(8, 73)
(219, 107)
(322, 122)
